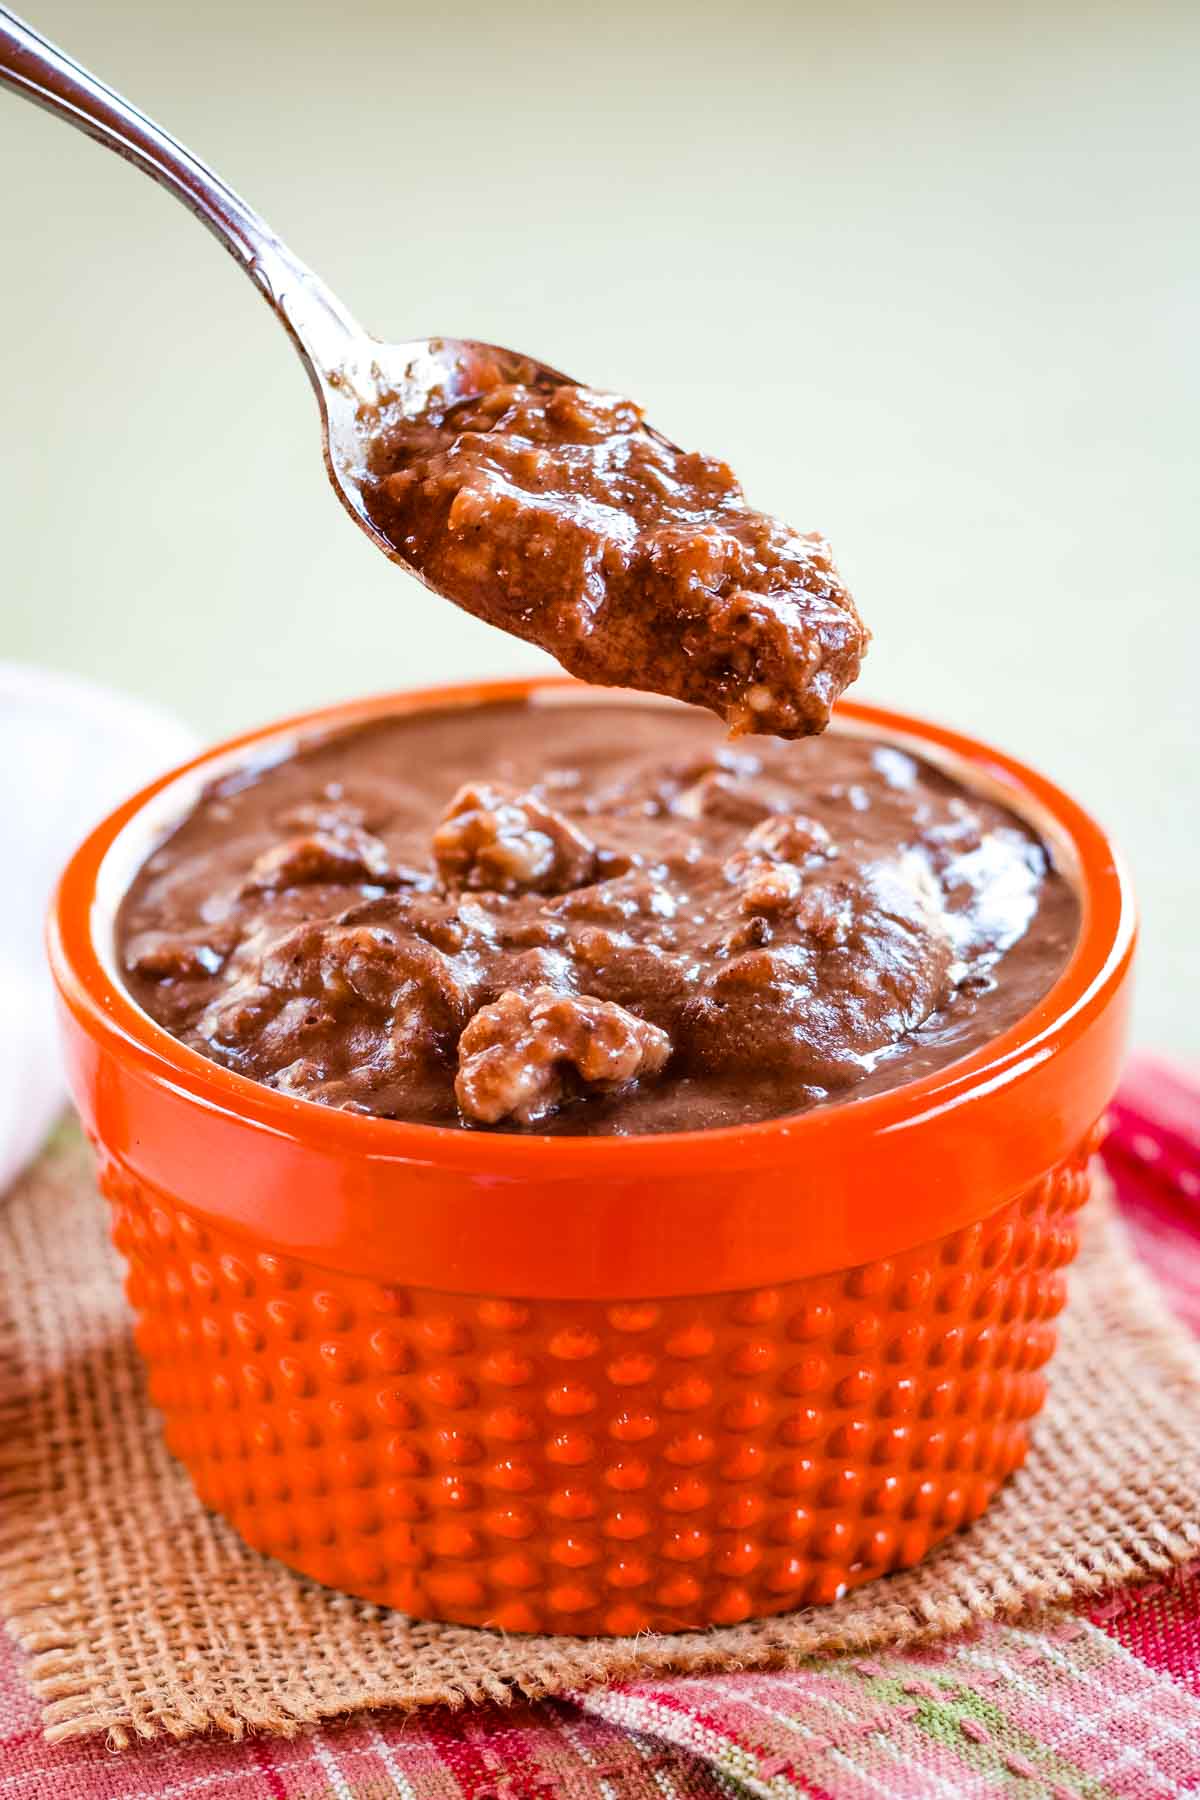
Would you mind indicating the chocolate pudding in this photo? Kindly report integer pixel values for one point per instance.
(590, 918)
(558, 515)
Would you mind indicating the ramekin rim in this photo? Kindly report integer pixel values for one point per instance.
(1101, 953)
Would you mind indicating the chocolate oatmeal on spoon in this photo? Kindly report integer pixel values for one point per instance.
(556, 513)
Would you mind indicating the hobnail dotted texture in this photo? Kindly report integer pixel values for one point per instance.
(586, 1467)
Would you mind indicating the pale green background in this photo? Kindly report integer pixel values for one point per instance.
(926, 274)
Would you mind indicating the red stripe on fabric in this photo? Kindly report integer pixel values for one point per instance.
(1162, 1218)
(669, 1701)
(267, 1769)
(1159, 1624)
(18, 1739)
(1167, 1166)
(464, 1749)
(1166, 1097)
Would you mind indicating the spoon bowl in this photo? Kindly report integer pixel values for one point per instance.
(377, 386)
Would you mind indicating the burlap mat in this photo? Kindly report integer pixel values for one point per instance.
(141, 1613)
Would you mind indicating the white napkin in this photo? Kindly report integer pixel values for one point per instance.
(69, 751)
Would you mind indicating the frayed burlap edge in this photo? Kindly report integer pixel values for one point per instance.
(141, 1614)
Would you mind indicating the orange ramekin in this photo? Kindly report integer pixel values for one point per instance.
(596, 1384)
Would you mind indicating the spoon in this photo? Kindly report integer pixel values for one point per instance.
(363, 387)
(710, 602)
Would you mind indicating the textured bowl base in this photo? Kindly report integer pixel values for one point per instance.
(584, 1467)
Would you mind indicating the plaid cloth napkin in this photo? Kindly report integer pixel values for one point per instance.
(1100, 1703)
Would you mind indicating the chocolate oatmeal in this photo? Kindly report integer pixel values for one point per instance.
(591, 918)
(558, 515)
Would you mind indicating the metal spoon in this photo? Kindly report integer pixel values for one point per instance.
(767, 644)
(362, 386)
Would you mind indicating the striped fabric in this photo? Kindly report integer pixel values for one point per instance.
(1104, 1703)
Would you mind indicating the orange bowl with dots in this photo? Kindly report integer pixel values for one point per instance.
(602, 1384)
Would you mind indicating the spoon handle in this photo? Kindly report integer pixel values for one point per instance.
(320, 327)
